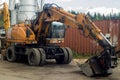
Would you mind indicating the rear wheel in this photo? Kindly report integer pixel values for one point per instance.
(42, 56)
(33, 57)
(10, 54)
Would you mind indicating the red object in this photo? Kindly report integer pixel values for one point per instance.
(82, 45)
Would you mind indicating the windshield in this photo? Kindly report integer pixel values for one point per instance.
(57, 30)
(58, 26)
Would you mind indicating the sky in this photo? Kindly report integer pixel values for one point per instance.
(105, 6)
(101, 6)
(86, 3)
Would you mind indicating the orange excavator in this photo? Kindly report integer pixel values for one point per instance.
(38, 38)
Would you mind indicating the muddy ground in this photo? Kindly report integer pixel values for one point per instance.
(50, 71)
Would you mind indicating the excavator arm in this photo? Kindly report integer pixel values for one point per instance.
(100, 64)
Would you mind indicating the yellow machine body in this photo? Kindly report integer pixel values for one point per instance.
(19, 35)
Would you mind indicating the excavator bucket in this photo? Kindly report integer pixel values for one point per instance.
(99, 65)
(92, 68)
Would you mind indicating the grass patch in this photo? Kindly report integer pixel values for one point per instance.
(81, 56)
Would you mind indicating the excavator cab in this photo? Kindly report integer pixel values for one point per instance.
(56, 32)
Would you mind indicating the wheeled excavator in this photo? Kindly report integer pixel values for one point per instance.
(37, 39)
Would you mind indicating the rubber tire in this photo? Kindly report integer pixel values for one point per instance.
(10, 54)
(62, 59)
(42, 56)
(70, 55)
(33, 57)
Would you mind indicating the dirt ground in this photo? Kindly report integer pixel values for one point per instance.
(50, 71)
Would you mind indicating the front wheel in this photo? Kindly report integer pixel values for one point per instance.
(10, 54)
(70, 55)
(62, 59)
(66, 58)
